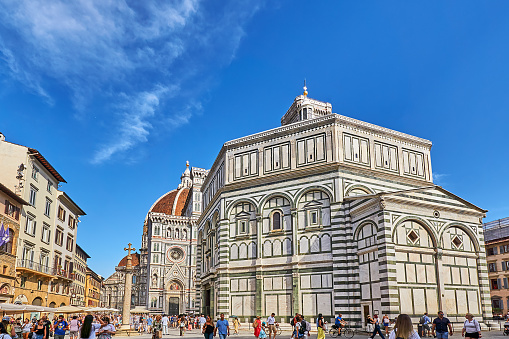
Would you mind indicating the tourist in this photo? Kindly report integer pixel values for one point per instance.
(440, 326)
(304, 328)
(208, 328)
(3, 332)
(26, 328)
(164, 321)
(376, 322)
(60, 327)
(293, 322)
(157, 328)
(222, 327)
(202, 321)
(182, 325)
(403, 328)
(106, 330)
(271, 323)
(471, 328)
(263, 331)
(47, 324)
(386, 322)
(150, 320)
(39, 330)
(236, 325)
(425, 321)
(321, 327)
(74, 327)
(339, 323)
(257, 325)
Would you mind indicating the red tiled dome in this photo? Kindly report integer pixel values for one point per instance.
(135, 260)
(172, 203)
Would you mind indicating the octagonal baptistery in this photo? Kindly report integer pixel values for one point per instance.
(329, 214)
(168, 251)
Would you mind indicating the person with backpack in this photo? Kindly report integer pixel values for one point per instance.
(59, 327)
(304, 327)
(471, 328)
(425, 321)
(376, 321)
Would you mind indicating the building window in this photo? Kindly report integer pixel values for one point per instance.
(30, 225)
(39, 285)
(11, 210)
(23, 282)
(242, 225)
(72, 221)
(157, 230)
(61, 213)
(155, 258)
(45, 233)
(47, 210)
(277, 220)
(70, 243)
(49, 187)
(313, 217)
(59, 237)
(492, 251)
(504, 249)
(505, 265)
(153, 302)
(492, 267)
(33, 193)
(35, 172)
(495, 284)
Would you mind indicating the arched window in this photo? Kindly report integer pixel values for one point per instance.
(176, 233)
(276, 220)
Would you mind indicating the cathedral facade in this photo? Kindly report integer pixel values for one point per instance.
(328, 214)
(168, 251)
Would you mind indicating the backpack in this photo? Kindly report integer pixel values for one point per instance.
(292, 322)
(302, 328)
(422, 320)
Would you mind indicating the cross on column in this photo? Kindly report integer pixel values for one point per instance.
(129, 249)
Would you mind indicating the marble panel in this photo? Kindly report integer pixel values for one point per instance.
(465, 276)
(364, 273)
(405, 301)
(473, 276)
(450, 302)
(315, 244)
(243, 251)
(304, 245)
(374, 271)
(267, 284)
(447, 274)
(316, 281)
(365, 292)
(456, 278)
(237, 303)
(419, 299)
(473, 302)
(461, 261)
(249, 305)
(305, 281)
(324, 303)
(277, 248)
(461, 297)
(414, 257)
(410, 273)
(287, 246)
(427, 258)
(431, 300)
(400, 272)
(401, 256)
(421, 273)
(271, 304)
(234, 285)
(277, 283)
(285, 305)
(309, 303)
(375, 290)
(251, 284)
(431, 274)
(242, 285)
(327, 280)
(267, 248)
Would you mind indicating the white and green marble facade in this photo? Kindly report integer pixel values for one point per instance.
(362, 227)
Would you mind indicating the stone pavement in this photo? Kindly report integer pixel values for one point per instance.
(247, 334)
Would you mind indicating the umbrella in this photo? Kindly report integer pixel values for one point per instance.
(69, 309)
(12, 308)
(95, 309)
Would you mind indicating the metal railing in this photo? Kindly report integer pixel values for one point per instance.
(32, 265)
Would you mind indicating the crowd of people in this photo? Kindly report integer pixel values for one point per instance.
(103, 327)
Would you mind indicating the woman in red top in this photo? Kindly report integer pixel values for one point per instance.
(257, 325)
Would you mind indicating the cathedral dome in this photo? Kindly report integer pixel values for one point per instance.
(135, 260)
(172, 203)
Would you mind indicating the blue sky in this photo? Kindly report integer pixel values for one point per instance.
(117, 95)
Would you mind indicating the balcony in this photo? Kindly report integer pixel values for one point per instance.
(30, 266)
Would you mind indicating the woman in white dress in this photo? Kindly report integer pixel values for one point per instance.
(403, 329)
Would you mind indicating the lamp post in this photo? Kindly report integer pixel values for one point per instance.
(126, 311)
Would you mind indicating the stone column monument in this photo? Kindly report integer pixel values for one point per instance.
(126, 311)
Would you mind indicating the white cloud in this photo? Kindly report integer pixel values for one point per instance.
(438, 178)
(117, 50)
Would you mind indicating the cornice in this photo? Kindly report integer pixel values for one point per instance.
(432, 205)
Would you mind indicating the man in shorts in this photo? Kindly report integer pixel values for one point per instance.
(271, 323)
(60, 327)
(74, 327)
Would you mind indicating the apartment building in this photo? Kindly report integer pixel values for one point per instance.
(496, 237)
(42, 276)
(10, 208)
(80, 277)
(93, 288)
